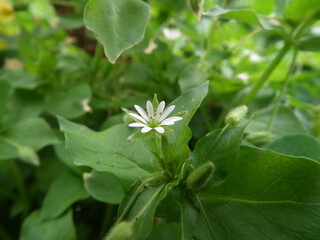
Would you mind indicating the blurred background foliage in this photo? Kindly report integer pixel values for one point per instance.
(51, 65)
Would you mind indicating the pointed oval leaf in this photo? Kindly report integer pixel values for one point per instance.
(118, 24)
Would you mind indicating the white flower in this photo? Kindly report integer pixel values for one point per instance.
(153, 118)
(171, 33)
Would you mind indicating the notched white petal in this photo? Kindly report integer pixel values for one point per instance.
(170, 121)
(159, 129)
(136, 116)
(146, 129)
(141, 112)
(160, 108)
(166, 112)
(149, 109)
(137, 125)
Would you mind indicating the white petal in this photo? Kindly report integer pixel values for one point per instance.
(141, 112)
(137, 125)
(170, 121)
(160, 108)
(150, 109)
(146, 129)
(166, 113)
(136, 116)
(159, 129)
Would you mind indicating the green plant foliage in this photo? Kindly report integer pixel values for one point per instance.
(103, 187)
(64, 191)
(58, 228)
(116, 32)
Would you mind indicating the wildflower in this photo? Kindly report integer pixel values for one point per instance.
(154, 118)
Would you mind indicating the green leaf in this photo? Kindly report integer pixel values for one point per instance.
(103, 187)
(243, 15)
(109, 151)
(221, 152)
(69, 103)
(264, 196)
(34, 228)
(188, 102)
(297, 145)
(310, 43)
(118, 24)
(284, 123)
(34, 133)
(299, 10)
(64, 191)
(19, 78)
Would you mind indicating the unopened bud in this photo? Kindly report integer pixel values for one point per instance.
(260, 138)
(196, 6)
(236, 115)
(122, 231)
(200, 176)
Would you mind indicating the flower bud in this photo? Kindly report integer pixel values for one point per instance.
(200, 176)
(260, 138)
(236, 115)
(121, 231)
(196, 6)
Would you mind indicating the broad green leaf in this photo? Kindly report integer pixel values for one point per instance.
(64, 191)
(297, 145)
(284, 123)
(70, 103)
(165, 230)
(103, 187)
(109, 151)
(5, 91)
(264, 196)
(188, 102)
(299, 10)
(221, 152)
(118, 24)
(34, 133)
(34, 228)
(310, 44)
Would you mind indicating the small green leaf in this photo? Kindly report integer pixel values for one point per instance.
(34, 228)
(28, 155)
(109, 151)
(221, 152)
(103, 187)
(310, 43)
(297, 145)
(299, 10)
(118, 24)
(71, 103)
(64, 191)
(196, 6)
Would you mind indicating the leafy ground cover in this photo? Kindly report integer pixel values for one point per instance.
(131, 119)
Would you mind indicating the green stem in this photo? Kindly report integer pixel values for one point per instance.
(266, 74)
(203, 213)
(284, 87)
(97, 58)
